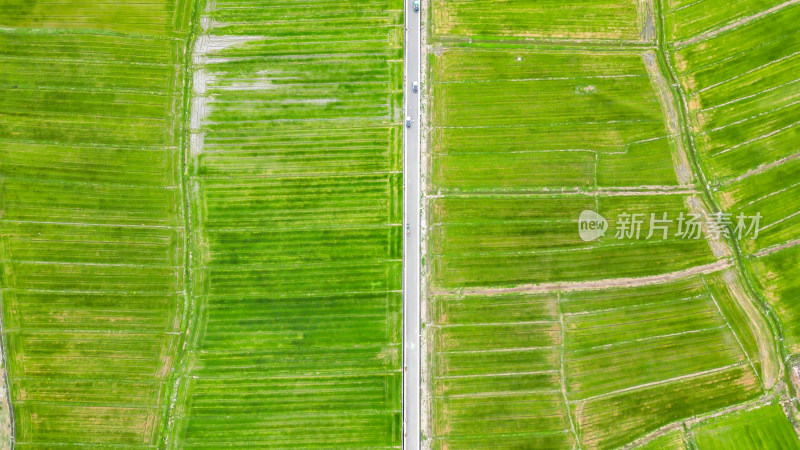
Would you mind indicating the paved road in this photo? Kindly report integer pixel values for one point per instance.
(411, 216)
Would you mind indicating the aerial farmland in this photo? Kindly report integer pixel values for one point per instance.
(540, 338)
(209, 224)
(294, 173)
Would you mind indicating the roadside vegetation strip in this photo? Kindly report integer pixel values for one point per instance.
(92, 220)
(296, 173)
(486, 243)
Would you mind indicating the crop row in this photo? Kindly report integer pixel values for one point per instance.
(496, 356)
(496, 371)
(299, 201)
(91, 233)
(688, 18)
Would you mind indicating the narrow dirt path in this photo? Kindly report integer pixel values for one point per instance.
(564, 286)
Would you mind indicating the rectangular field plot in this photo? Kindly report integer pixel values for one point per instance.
(607, 366)
(91, 220)
(296, 150)
(143, 17)
(497, 372)
(639, 358)
(518, 119)
(613, 421)
(762, 427)
(511, 240)
(628, 20)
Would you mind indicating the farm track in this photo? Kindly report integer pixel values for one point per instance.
(777, 248)
(595, 285)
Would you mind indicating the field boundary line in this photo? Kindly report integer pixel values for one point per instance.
(743, 21)
(762, 168)
(790, 216)
(503, 374)
(611, 347)
(606, 192)
(776, 248)
(567, 286)
(660, 382)
(562, 372)
(501, 393)
(640, 305)
(761, 401)
(736, 336)
(489, 324)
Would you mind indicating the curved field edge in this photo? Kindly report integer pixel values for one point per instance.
(744, 285)
(744, 273)
(176, 395)
(91, 220)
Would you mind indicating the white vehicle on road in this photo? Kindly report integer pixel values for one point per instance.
(415, 87)
(408, 121)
